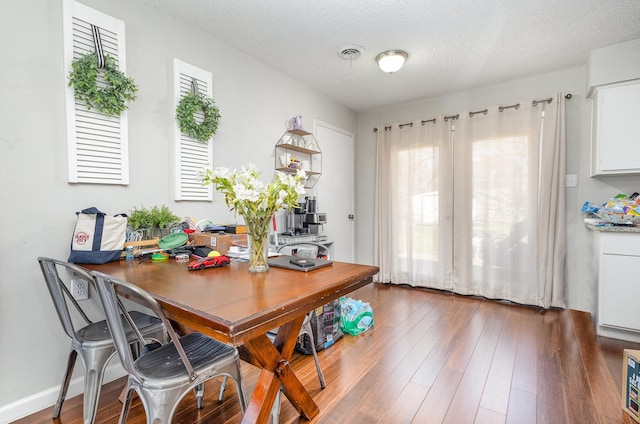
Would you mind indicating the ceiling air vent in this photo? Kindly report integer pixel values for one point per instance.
(351, 52)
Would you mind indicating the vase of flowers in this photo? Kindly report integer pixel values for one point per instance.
(246, 195)
(258, 244)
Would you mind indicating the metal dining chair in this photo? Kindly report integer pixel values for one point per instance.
(165, 374)
(90, 339)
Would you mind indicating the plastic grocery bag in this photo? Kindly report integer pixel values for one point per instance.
(356, 316)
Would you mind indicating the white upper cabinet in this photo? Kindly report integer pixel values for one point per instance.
(615, 140)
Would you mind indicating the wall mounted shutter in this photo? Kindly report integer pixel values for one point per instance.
(97, 143)
(191, 155)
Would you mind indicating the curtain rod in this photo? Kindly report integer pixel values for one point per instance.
(483, 111)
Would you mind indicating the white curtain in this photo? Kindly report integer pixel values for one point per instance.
(413, 168)
(551, 208)
(475, 204)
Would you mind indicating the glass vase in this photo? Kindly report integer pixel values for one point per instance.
(258, 238)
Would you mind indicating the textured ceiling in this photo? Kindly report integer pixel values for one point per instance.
(453, 45)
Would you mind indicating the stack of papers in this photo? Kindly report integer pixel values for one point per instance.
(242, 253)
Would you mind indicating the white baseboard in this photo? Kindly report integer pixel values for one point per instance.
(46, 398)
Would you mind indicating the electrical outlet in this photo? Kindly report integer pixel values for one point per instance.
(80, 289)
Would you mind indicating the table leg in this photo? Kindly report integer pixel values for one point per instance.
(274, 358)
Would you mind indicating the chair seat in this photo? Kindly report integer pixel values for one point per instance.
(99, 331)
(164, 364)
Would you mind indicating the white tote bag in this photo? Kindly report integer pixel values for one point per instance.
(97, 238)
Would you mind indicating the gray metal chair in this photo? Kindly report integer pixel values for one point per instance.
(164, 375)
(92, 340)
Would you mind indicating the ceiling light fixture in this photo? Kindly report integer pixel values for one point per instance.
(392, 60)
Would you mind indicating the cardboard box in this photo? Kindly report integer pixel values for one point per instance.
(239, 240)
(218, 241)
(631, 382)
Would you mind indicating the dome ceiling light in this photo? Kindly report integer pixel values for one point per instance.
(392, 60)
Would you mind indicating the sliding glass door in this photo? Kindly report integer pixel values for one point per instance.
(466, 204)
(415, 205)
(495, 168)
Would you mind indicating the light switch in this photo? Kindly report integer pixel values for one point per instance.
(571, 180)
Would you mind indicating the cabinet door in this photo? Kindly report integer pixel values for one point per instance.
(616, 132)
(619, 291)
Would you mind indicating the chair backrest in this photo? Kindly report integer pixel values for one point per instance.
(319, 246)
(60, 294)
(112, 292)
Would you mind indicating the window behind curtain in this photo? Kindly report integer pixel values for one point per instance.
(500, 175)
(496, 189)
(420, 250)
(458, 205)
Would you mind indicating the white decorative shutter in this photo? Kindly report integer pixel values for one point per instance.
(191, 155)
(97, 143)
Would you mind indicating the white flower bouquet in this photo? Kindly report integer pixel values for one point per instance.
(246, 195)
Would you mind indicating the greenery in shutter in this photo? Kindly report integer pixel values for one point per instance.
(188, 106)
(109, 98)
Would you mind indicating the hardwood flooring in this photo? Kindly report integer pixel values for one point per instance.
(434, 357)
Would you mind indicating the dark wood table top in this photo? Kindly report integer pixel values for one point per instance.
(232, 304)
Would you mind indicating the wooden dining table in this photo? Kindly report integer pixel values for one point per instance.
(238, 307)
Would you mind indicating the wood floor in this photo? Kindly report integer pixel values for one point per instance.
(435, 358)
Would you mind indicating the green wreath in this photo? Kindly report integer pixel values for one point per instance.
(110, 99)
(188, 106)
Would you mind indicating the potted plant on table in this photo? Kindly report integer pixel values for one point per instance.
(154, 222)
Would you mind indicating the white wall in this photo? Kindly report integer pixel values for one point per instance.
(581, 281)
(38, 205)
(611, 64)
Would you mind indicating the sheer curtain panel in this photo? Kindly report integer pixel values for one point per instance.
(413, 220)
(476, 204)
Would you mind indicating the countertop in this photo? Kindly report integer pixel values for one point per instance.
(613, 228)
